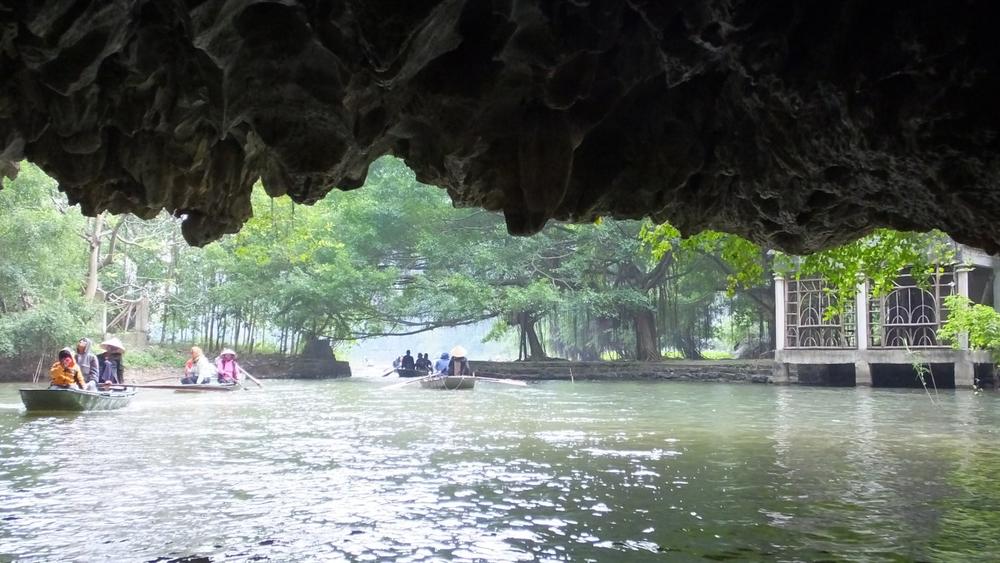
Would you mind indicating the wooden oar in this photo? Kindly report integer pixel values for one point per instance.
(505, 381)
(388, 372)
(414, 380)
(172, 377)
(252, 378)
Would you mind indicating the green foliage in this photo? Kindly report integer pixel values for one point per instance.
(41, 270)
(980, 323)
(717, 355)
(397, 258)
(45, 328)
(879, 257)
(159, 356)
(43, 258)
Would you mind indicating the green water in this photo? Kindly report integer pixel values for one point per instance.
(348, 470)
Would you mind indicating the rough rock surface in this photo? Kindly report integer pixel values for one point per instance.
(797, 124)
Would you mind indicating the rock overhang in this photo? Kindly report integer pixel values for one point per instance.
(797, 125)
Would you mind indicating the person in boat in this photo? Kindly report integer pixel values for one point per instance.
(459, 364)
(227, 367)
(113, 352)
(428, 365)
(87, 361)
(397, 363)
(65, 373)
(198, 370)
(441, 365)
(407, 362)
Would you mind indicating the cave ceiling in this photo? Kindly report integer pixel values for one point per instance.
(796, 124)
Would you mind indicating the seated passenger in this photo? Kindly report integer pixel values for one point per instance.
(65, 373)
(198, 369)
(408, 361)
(113, 351)
(87, 362)
(441, 365)
(227, 367)
(109, 375)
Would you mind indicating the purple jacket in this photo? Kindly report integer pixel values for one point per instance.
(228, 370)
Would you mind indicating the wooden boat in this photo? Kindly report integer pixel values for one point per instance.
(449, 382)
(411, 372)
(193, 388)
(207, 387)
(74, 400)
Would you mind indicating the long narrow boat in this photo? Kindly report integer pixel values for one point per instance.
(74, 400)
(449, 382)
(193, 388)
(207, 387)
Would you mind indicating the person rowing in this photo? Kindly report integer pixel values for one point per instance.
(459, 364)
(227, 367)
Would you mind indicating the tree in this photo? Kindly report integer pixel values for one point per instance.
(40, 282)
(980, 324)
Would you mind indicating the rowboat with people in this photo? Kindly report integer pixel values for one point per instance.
(454, 374)
(449, 382)
(75, 400)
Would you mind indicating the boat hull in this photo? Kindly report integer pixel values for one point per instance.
(205, 387)
(450, 382)
(411, 372)
(73, 400)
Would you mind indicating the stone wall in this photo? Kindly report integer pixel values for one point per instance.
(281, 367)
(732, 371)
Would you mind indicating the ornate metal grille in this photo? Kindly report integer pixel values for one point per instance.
(910, 315)
(806, 304)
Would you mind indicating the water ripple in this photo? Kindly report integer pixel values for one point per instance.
(347, 470)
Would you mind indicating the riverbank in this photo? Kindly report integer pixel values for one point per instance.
(728, 371)
(277, 367)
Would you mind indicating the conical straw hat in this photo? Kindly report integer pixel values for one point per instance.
(113, 342)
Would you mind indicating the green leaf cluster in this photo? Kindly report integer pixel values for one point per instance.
(980, 323)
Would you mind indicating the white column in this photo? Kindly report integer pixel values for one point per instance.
(861, 313)
(862, 369)
(779, 312)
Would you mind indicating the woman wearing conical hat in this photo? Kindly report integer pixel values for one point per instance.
(459, 363)
(227, 366)
(113, 351)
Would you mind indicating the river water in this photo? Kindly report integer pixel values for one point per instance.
(350, 470)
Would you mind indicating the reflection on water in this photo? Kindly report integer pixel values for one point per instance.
(556, 471)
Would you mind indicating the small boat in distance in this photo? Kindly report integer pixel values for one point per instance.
(74, 400)
(449, 382)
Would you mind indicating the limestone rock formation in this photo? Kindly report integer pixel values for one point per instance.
(796, 124)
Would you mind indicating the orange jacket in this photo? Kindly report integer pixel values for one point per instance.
(66, 377)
